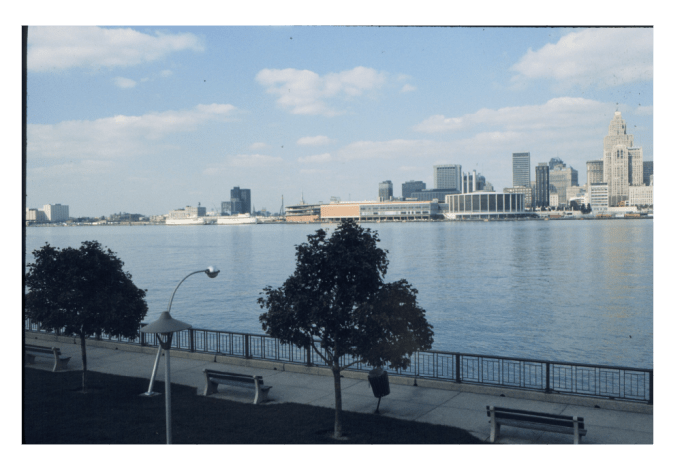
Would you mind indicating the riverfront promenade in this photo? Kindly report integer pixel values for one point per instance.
(459, 405)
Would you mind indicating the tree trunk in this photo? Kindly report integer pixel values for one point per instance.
(338, 431)
(84, 355)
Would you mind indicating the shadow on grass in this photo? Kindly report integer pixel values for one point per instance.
(54, 411)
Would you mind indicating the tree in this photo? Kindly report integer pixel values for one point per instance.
(85, 291)
(337, 294)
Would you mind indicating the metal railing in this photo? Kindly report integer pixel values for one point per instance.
(601, 381)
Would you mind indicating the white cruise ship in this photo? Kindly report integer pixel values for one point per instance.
(186, 221)
(240, 219)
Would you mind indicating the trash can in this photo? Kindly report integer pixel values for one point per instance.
(379, 380)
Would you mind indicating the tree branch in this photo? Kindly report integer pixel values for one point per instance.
(313, 344)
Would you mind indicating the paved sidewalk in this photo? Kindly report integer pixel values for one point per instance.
(446, 406)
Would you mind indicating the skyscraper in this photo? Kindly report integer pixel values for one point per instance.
(239, 202)
(521, 169)
(561, 178)
(622, 162)
(542, 185)
(447, 176)
(473, 182)
(594, 172)
(386, 191)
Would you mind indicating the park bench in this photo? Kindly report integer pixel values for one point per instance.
(215, 377)
(32, 352)
(534, 420)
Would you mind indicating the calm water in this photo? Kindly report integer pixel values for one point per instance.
(577, 291)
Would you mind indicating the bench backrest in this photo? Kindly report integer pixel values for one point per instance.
(534, 417)
(41, 349)
(213, 374)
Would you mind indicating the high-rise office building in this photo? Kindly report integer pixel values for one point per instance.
(407, 188)
(542, 185)
(239, 202)
(561, 178)
(386, 191)
(521, 169)
(447, 176)
(594, 172)
(647, 172)
(473, 182)
(622, 162)
(554, 161)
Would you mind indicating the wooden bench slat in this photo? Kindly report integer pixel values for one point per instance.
(542, 427)
(537, 419)
(534, 413)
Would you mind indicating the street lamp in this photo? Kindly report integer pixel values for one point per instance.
(211, 272)
(163, 328)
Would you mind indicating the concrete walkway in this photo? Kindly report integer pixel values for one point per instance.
(463, 406)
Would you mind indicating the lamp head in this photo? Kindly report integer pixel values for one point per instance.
(212, 272)
(165, 324)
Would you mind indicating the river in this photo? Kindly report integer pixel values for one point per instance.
(571, 291)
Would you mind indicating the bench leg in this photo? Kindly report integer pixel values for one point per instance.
(260, 396)
(495, 427)
(60, 364)
(209, 386)
(576, 435)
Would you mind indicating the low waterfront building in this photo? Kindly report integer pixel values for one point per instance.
(187, 212)
(492, 205)
(382, 211)
(641, 195)
(303, 213)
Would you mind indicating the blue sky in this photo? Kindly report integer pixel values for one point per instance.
(148, 119)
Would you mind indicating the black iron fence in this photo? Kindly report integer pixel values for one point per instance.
(612, 382)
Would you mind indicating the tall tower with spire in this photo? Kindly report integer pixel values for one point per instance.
(622, 162)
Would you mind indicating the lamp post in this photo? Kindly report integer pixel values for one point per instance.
(163, 328)
(211, 272)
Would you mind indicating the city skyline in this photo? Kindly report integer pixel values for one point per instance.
(148, 119)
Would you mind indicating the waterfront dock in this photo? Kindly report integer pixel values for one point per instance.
(436, 402)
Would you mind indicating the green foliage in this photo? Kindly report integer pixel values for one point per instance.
(85, 291)
(337, 294)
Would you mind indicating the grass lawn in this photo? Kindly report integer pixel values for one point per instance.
(54, 411)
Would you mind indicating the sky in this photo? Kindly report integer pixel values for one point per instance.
(150, 119)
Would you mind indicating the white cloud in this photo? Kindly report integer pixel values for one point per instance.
(313, 171)
(597, 57)
(314, 140)
(304, 92)
(258, 145)
(556, 113)
(117, 137)
(166, 73)
(640, 110)
(408, 88)
(53, 48)
(123, 82)
(317, 158)
(244, 160)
